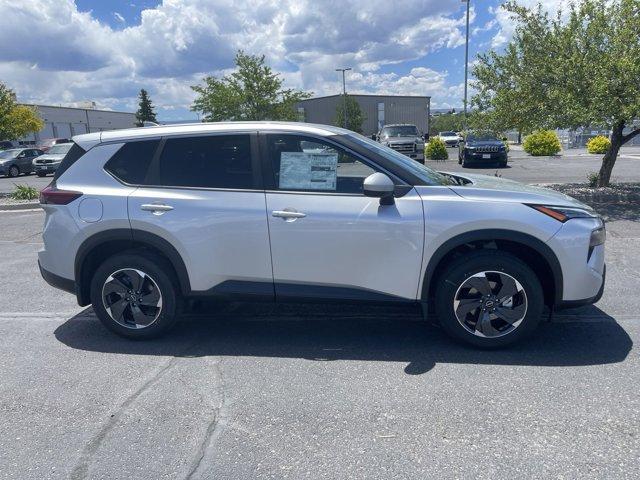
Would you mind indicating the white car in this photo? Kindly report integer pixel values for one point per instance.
(451, 139)
(139, 220)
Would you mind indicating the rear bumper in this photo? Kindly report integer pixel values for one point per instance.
(56, 281)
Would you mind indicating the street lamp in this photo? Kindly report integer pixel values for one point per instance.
(466, 64)
(344, 93)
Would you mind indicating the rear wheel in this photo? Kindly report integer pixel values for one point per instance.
(489, 299)
(135, 295)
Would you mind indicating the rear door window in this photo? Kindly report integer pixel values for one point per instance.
(131, 163)
(214, 161)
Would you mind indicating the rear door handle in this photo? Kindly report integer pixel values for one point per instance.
(156, 208)
(288, 214)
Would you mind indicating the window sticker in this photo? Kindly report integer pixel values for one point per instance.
(308, 171)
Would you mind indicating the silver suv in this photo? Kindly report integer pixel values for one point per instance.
(138, 221)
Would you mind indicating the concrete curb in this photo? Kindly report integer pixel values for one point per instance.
(19, 206)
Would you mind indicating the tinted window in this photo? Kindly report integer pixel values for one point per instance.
(131, 163)
(216, 161)
(311, 164)
(69, 159)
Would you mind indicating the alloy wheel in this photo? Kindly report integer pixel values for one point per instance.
(132, 298)
(490, 304)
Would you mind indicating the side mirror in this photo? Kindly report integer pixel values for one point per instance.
(379, 185)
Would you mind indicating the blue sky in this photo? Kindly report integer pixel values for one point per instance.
(64, 52)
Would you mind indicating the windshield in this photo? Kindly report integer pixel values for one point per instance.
(60, 149)
(9, 154)
(400, 131)
(431, 177)
(481, 137)
(448, 134)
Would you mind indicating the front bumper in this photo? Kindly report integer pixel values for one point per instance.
(484, 157)
(583, 269)
(45, 167)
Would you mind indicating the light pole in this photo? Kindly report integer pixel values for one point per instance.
(344, 93)
(466, 64)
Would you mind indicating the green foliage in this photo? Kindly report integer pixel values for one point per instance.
(16, 120)
(355, 115)
(453, 122)
(251, 92)
(24, 192)
(435, 149)
(542, 142)
(592, 179)
(578, 68)
(599, 144)
(146, 112)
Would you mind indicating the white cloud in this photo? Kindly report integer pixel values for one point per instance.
(52, 53)
(506, 25)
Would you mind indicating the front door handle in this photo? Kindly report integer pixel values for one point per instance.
(156, 208)
(288, 214)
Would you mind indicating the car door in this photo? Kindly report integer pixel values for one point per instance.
(203, 195)
(327, 238)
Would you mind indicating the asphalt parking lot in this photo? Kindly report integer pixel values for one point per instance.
(303, 391)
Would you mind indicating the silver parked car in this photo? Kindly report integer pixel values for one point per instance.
(15, 161)
(139, 220)
(50, 160)
(403, 138)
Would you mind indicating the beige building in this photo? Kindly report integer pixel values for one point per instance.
(380, 110)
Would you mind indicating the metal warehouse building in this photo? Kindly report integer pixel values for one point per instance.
(379, 110)
(65, 122)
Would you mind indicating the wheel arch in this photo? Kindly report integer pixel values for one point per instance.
(526, 247)
(98, 247)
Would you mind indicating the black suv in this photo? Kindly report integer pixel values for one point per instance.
(482, 149)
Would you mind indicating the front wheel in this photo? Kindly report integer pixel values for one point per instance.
(14, 171)
(489, 299)
(135, 295)
(41, 174)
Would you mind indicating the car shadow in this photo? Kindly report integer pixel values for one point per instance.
(331, 332)
(487, 167)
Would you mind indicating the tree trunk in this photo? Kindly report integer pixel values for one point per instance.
(609, 160)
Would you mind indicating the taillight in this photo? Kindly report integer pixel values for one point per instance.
(51, 195)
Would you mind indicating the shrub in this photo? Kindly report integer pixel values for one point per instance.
(599, 144)
(592, 178)
(542, 142)
(436, 149)
(24, 192)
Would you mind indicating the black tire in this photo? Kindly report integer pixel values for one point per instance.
(40, 174)
(454, 276)
(161, 273)
(14, 171)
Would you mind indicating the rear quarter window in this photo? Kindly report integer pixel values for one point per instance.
(72, 156)
(131, 163)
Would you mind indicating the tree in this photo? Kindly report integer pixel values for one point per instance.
(16, 120)
(355, 116)
(146, 112)
(252, 92)
(446, 122)
(566, 71)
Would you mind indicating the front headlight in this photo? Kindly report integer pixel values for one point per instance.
(562, 214)
(598, 236)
